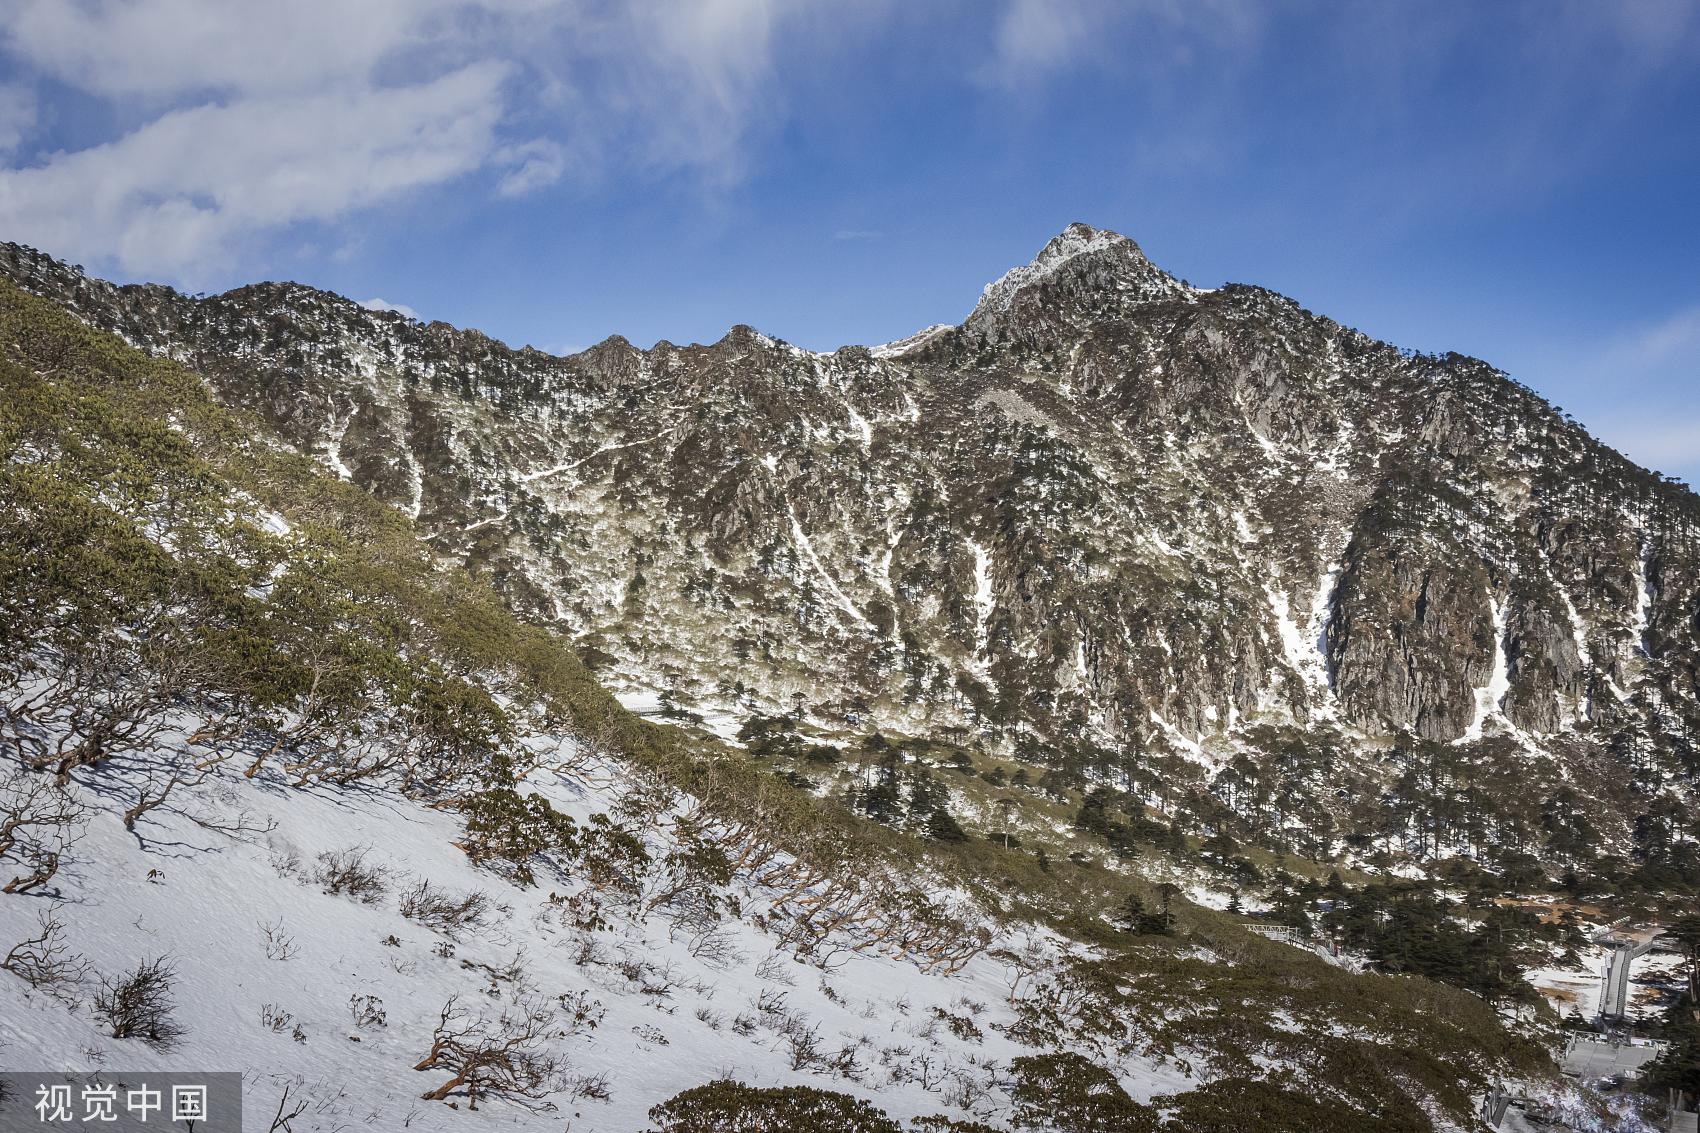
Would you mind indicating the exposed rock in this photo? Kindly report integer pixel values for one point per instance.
(1109, 507)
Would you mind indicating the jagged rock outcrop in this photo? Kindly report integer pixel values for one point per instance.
(1108, 508)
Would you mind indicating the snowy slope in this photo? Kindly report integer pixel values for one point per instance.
(670, 1017)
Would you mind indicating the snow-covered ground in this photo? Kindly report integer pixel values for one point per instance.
(1578, 987)
(721, 722)
(272, 972)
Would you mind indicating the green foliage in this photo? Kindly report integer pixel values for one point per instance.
(1406, 927)
(938, 1123)
(1134, 917)
(941, 827)
(725, 1106)
(506, 827)
(1067, 1093)
(130, 586)
(1230, 1105)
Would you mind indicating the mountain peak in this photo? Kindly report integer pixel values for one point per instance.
(1102, 260)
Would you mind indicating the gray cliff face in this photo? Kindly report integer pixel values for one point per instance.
(1108, 508)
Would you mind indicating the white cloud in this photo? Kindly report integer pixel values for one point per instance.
(166, 47)
(531, 166)
(1041, 34)
(179, 193)
(243, 118)
(17, 116)
(376, 304)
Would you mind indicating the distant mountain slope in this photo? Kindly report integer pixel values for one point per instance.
(1111, 522)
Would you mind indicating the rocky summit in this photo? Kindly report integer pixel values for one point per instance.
(1111, 521)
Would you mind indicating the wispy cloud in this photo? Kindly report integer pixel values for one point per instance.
(1035, 39)
(17, 116)
(531, 166)
(1642, 383)
(1675, 338)
(376, 304)
(1658, 442)
(246, 119)
(183, 191)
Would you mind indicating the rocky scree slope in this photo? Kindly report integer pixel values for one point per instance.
(1109, 511)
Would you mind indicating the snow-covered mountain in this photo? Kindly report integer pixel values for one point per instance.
(1111, 522)
(282, 793)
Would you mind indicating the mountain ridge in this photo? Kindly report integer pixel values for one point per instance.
(1108, 521)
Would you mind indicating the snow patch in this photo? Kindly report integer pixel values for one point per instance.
(808, 548)
(1490, 695)
(982, 593)
(903, 346)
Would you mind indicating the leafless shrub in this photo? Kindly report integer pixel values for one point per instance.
(367, 1010)
(286, 861)
(138, 1005)
(802, 1045)
(966, 1089)
(155, 788)
(587, 951)
(711, 1017)
(46, 961)
(348, 873)
(506, 1055)
(274, 1018)
(770, 1005)
(283, 1119)
(744, 1025)
(441, 911)
(589, 1087)
(512, 973)
(715, 948)
(39, 821)
(279, 944)
(658, 983)
(775, 969)
(843, 1062)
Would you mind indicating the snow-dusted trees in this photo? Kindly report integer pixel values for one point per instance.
(103, 620)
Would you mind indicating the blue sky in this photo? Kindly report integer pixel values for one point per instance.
(1519, 181)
